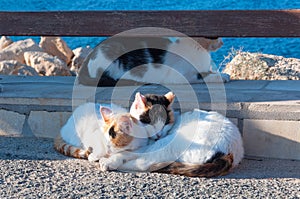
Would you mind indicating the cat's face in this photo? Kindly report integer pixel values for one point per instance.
(147, 108)
(117, 129)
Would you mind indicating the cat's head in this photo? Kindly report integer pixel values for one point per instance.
(147, 108)
(210, 43)
(118, 130)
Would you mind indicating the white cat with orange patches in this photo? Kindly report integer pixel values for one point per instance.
(93, 132)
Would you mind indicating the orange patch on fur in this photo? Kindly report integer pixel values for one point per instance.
(121, 139)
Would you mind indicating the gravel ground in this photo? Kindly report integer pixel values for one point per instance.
(30, 168)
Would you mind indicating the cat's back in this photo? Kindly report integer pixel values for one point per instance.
(82, 118)
(222, 134)
(211, 123)
(207, 133)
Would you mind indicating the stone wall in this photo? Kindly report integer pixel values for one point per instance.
(266, 112)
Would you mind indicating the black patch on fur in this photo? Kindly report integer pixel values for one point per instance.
(216, 156)
(144, 118)
(158, 55)
(106, 80)
(136, 61)
(131, 61)
(112, 133)
(202, 75)
(155, 111)
(199, 76)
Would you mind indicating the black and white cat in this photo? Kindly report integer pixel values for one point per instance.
(128, 60)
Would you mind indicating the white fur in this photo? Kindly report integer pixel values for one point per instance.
(84, 129)
(100, 62)
(195, 138)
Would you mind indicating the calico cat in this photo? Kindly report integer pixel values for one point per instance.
(89, 134)
(200, 144)
(150, 60)
(86, 136)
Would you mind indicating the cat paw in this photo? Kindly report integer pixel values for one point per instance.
(93, 158)
(162, 131)
(104, 164)
(155, 137)
(159, 124)
(108, 164)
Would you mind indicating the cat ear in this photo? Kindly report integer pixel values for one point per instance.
(106, 113)
(170, 97)
(140, 101)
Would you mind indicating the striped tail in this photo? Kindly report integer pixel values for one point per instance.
(69, 150)
(219, 165)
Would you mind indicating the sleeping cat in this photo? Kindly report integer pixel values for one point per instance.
(150, 60)
(150, 107)
(200, 144)
(93, 132)
(85, 131)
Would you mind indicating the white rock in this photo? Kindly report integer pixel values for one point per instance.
(257, 66)
(57, 47)
(11, 123)
(12, 67)
(4, 42)
(46, 65)
(15, 51)
(47, 124)
(79, 55)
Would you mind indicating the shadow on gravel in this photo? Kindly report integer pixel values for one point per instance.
(28, 148)
(263, 168)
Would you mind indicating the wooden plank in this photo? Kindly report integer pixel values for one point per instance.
(238, 23)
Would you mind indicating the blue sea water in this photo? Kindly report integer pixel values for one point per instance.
(288, 47)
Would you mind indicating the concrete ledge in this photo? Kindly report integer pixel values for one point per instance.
(266, 112)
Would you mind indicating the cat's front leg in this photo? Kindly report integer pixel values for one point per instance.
(139, 164)
(115, 161)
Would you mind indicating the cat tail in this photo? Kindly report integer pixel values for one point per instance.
(69, 150)
(218, 166)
